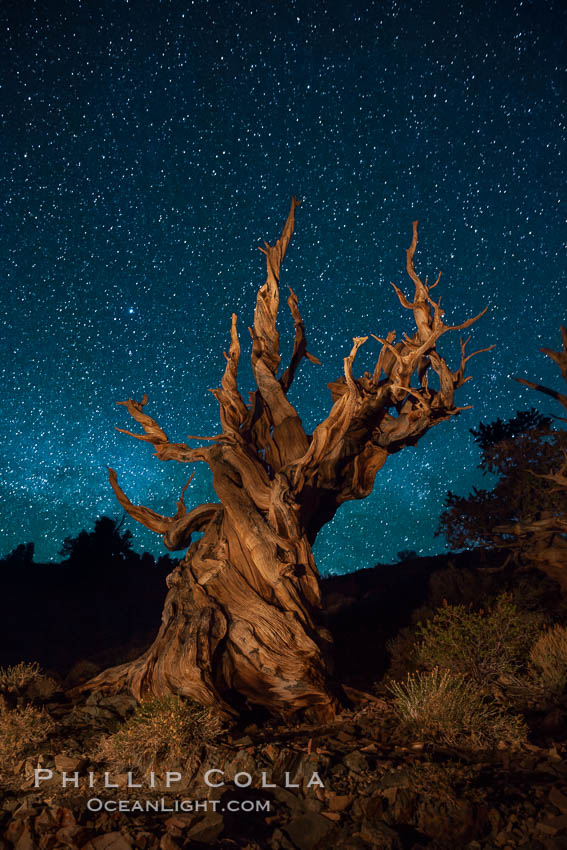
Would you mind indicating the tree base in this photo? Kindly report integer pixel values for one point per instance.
(243, 651)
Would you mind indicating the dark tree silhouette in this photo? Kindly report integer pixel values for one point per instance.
(542, 539)
(406, 555)
(106, 546)
(526, 512)
(516, 451)
(22, 555)
(239, 622)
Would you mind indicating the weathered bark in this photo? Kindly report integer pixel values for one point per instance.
(239, 622)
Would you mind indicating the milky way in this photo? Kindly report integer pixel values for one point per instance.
(148, 148)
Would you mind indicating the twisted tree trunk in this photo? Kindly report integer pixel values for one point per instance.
(239, 623)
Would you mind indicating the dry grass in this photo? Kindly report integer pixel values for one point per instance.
(548, 657)
(162, 731)
(449, 708)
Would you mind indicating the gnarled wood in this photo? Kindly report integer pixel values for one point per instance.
(239, 623)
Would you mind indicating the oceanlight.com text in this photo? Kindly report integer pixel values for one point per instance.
(96, 804)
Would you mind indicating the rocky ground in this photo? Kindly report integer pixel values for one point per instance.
(380, 788)
(380, 791)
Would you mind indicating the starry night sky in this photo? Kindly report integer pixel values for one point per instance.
(147, 149)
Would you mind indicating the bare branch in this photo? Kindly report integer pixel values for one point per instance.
(420, 306)
(274, 422)
(330, 432)
(559, 357)
(371, 431)
(176, 530)
(384, 362)
(265, 336)
(459, 375)
(299, 344)
(559, 477)
(560, 397)
(159, 439)
(233, 411)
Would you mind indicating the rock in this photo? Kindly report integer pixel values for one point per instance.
(245, 741)
(553, 720)
(110, 841)
(80, 672)
(552, 825)
(380, 836)
(436, 820)
(352, 842)
(144, 840)
(168, 843)
(495, 819)
(333, 816)
(338, 802)
(45, 820)
(69, 764)
(343, 736)
(356, 762)
(242, 762)
(338, 771)
(25, 808)
(26, 841)
(73, 836)
(375, 807)
(271, 752)
(208, 829)
(558, 799)
(296, 768)
(310, 831)
(280, 841)
(292, 801)
(120, 704)
(395, 779)
(177, 823)
(15, 830)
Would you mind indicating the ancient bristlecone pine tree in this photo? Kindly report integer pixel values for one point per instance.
(239, 623)
(542, 540)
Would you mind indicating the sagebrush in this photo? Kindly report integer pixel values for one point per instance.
(482, 644)
(548, 657)
(449, 708)
(21, 729)
(19, 676)
(167, 731)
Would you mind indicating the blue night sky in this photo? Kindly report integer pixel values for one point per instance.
(148, 148)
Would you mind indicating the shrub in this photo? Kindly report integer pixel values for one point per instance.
(20, 730)
(18, 677)
(548, 657)
(166, 730)
(484, 644)
(455, 585)
(448, 708)
(403, 653)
